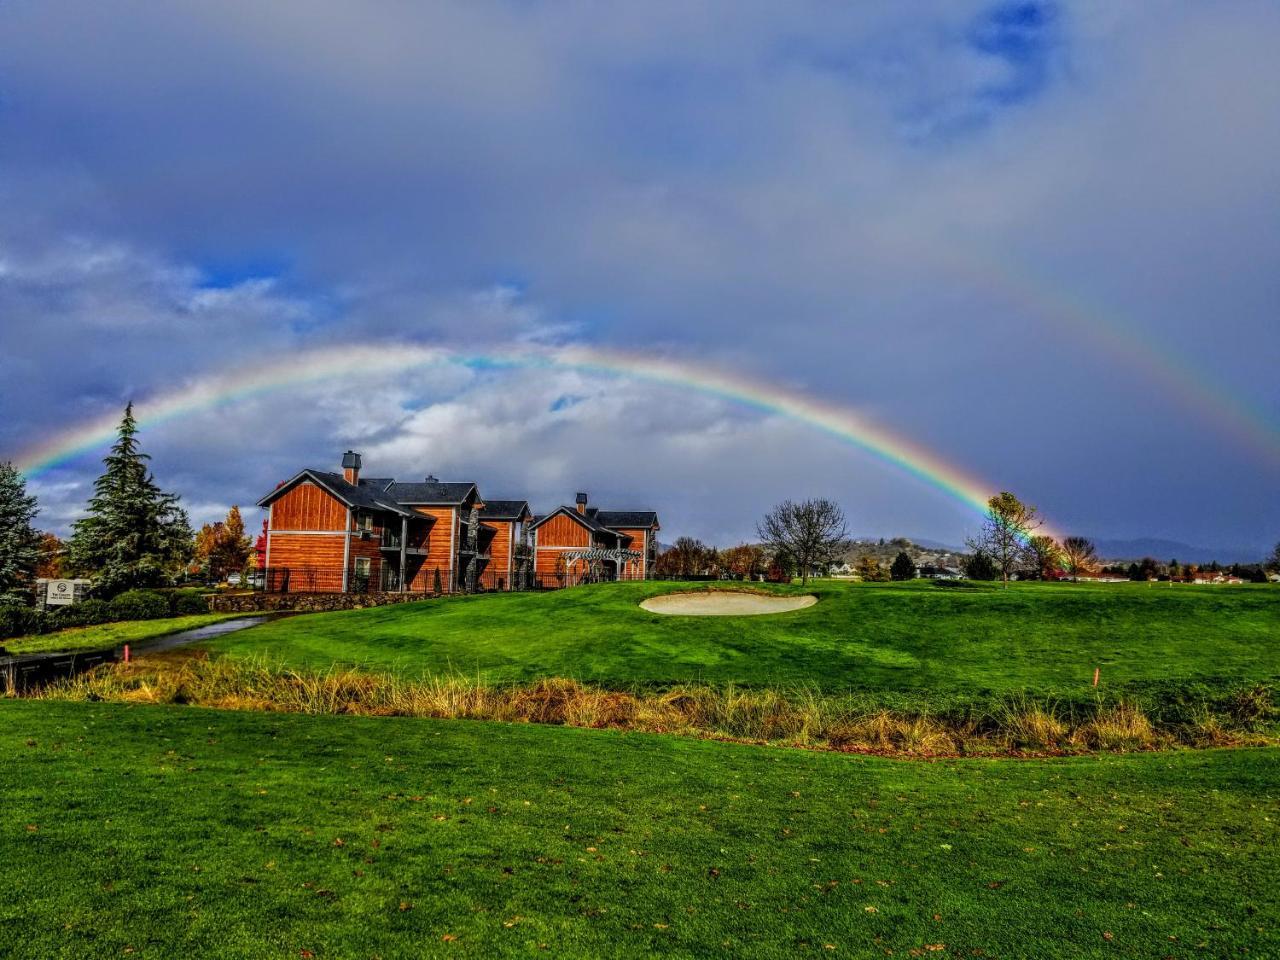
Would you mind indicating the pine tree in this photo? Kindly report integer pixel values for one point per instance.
(19, 541)
(904, 568)
(135, 534)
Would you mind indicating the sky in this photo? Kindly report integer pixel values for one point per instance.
(1040, 241)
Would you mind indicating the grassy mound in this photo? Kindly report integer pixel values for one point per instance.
(160, 832)
(875, 637)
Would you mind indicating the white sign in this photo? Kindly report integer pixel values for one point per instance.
(59, 592)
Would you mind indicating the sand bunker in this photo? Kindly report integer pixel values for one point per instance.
(725, 603)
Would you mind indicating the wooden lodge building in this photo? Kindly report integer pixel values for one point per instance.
(584, 543)
(342, 532)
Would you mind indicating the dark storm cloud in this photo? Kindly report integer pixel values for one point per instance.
(824, 197)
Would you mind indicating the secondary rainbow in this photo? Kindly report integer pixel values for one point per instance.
(1189, 387)
(345, 361)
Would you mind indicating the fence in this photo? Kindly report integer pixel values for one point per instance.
(26, 672)
(428, 581)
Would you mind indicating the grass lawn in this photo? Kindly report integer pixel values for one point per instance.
(908, 637)
(111, 634)
(178, 831)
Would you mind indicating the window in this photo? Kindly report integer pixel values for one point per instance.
(364, 521)
(362, 566)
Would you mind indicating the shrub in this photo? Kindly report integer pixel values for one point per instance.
(186, 603)
(19, 621)
(86, 613)
(139, 605)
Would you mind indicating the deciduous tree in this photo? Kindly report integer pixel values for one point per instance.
(1009, 525)
(687, 557)
(222, 548)
(1044, 557)
(811, 532)
(135, 534)
(51, 551)
(1080, 555)
(19, 541)
(745, 561)
(869, 570)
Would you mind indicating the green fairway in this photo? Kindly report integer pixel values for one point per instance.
(176, 831)
(112, 634)
(909, 637)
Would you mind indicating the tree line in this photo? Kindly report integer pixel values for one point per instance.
(809, 537)
(133, 534)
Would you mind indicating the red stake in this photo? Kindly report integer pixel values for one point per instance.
(1096, 670)
(126, 660)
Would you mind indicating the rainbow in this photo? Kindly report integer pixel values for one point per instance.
(1192, 389)
(321, 364)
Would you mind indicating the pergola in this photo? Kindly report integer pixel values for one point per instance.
(595, 557)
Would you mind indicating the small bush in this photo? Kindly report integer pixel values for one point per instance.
(139, 605)
(185, 604)
(86, 613)
(18, 621)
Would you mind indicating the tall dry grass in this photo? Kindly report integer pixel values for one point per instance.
(799, 716)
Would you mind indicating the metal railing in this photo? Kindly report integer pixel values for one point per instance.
(384, 577)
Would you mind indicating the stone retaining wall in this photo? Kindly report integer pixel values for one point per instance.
(307, 602)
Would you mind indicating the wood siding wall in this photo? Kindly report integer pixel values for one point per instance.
(634, 568)
(308, 507)
(443, 532)
(561, 531)
(500, 548)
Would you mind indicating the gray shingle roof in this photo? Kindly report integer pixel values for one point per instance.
(626, 518)
(504, 509)
(436, 492)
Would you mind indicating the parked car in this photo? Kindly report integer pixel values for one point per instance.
(233, 579)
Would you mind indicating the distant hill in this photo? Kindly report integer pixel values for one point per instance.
(1164, 550)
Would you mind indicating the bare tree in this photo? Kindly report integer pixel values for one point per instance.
(812, 533)
(1080, 554)
(1006, 532)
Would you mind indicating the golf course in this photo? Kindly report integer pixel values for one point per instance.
(135, 820)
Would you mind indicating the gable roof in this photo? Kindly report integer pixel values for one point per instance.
(431, 493)
(505, 509)
(364, 495)
(583, 519)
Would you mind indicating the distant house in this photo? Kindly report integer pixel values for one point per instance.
(582, 543)
(1099, 577)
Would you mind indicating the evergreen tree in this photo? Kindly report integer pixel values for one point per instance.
(19, 541)
(981, 567)
(904, 568)
(135, 534)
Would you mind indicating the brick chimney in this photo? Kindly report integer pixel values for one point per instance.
(582, 503)
(351, 467)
